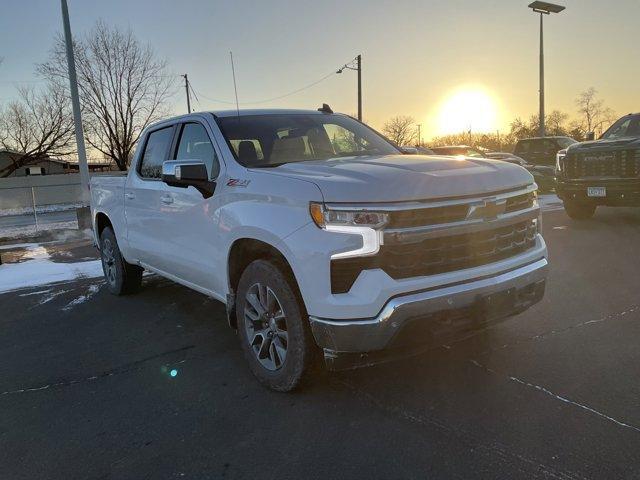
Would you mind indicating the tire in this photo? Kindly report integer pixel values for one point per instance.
(122, 277)
(579, 211)
(273, 326)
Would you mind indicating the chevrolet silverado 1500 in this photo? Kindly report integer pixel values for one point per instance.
(320, 236)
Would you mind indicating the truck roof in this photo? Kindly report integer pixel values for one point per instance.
(542, 138)
(264, 111)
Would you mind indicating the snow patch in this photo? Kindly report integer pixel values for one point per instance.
(30, 230)
(38, 270)
(60, 207)
(91, 291)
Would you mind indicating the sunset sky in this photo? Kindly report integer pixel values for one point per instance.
(438, 61)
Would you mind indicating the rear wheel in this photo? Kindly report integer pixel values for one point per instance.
(121, 277)
(273, 326)
(579, 210)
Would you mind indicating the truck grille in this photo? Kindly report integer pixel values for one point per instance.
(617, 164)
(438, 255)
(451, 213)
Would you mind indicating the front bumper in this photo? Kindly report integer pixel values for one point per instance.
(469, 301)
(620, 192)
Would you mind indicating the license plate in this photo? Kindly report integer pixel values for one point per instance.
(496, 304)
(596, 191)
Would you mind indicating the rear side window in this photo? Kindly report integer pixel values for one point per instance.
(155, 152)
(194, 144)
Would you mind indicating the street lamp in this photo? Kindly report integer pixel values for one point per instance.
(543, 8)
(358, 68)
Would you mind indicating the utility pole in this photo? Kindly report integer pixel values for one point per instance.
(75, 103)
(419, 135)
(541, 114)
(358, 68)
(359, 62)
(186, 87)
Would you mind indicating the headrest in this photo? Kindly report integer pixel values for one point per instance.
(288, 148)
(247, 154)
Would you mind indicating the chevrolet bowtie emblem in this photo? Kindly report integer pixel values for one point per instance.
(488, 209)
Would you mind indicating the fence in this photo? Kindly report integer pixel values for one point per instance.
(36, 200)
(25, 192)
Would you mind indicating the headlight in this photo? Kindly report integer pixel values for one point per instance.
(559, 157)
(367, 224)
(324, 216)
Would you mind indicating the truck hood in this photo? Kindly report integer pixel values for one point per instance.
(605, 144)
(393, 178)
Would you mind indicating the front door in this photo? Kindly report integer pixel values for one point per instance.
(190, 222)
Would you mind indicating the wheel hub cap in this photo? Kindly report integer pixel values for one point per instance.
(266, 326)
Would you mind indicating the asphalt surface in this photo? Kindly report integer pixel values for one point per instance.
(86, 386)
(43, 218)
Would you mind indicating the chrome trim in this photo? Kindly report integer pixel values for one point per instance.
(417, 234)
(371, 334)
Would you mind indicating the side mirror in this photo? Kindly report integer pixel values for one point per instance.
(590, 136)
(409, 150)
(185, 173)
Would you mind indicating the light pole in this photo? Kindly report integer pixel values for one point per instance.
(358, 68)
(83, 213)
(543, 8)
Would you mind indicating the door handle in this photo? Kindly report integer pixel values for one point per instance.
(129, 195)
(166, 199)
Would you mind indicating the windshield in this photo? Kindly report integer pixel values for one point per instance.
(628, 126)
(566, 142)
(270, 140)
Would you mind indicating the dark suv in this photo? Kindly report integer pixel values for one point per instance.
(540, 153)
(602, 172)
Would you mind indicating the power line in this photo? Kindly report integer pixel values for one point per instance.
(279, 97)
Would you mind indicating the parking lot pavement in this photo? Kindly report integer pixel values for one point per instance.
(154, 385)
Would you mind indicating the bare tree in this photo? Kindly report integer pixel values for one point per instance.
(37, 126)
(123, 87)
(594, 116)
(400, 129)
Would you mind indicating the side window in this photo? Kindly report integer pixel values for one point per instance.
(155, 152)
(550, 147)
(194, 144)
(523, 147)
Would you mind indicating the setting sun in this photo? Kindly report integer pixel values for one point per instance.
(467, 109)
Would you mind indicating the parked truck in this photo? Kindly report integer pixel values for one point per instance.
(320, 236)
(601, 172)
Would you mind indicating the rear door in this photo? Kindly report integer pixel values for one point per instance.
(143, 196)
(190, 221)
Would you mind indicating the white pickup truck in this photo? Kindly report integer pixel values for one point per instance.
(320, 235)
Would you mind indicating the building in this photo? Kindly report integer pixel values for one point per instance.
(48, 166)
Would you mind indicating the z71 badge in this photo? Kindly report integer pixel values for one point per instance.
(237, 182)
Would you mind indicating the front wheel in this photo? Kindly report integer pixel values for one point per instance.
(578, 210)
(121, 277)
(273, 326)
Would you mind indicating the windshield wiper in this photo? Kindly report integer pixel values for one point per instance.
(355, 154)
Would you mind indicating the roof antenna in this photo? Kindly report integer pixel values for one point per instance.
(325, 108)
(235, 87)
